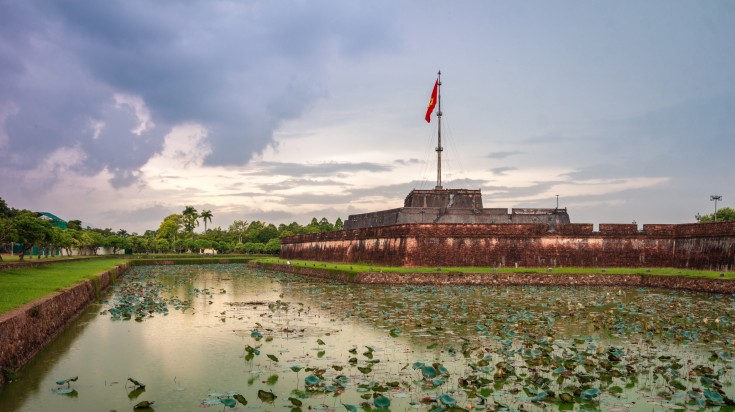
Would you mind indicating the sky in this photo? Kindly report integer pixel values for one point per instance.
(119, 113)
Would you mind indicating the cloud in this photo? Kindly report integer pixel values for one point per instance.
(115, 78)
(503, 155)
(325, 169)
(502, 170)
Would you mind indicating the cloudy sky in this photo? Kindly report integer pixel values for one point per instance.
(118, 113)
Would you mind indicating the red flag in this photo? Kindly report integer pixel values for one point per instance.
(432, 102)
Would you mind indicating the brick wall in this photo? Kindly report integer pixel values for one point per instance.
(24, 331)
(701, 245)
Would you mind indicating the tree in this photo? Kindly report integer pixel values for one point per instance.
(338, 224)
(206, 215)
(273, 246)
(74, 224)
(117, 242)
(190, 219)
(723, 215)
(8, 233)
(5, 211)
(31, 231)
(238, 229)
(169, 227)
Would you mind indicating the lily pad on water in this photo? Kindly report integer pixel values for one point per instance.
(67, 381)
(266, 396)
(240, 399)
(312, 380)
(447, 400)
(381, 401)
(590, 394)
(144, 405)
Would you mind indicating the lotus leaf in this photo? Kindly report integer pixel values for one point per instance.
(429, 372)
(590, 394)
(266, 396)
(447, 400)
(144, 405)
(312, 380)
(381, 401)
(295, 401)
(240, 399)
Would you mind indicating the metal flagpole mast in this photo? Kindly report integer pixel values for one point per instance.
(439, 148)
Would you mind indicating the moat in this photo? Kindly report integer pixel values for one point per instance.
(197, 336)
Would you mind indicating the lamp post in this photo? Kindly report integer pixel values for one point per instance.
(715, 198)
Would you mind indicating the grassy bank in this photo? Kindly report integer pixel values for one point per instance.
(354, 268)
(24, 285)
(11, 259)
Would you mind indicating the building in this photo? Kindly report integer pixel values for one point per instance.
(454, 206)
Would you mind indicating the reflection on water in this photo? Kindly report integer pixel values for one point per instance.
(197, 335)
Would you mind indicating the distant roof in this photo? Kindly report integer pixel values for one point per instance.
(52, 217)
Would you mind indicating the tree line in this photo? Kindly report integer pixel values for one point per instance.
(175, 234)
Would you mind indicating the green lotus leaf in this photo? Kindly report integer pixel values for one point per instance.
(713, 397)
(240, 399)
(229, 402)
(590, 393)
(295, 401)
(429, 372)
(274, 358)
(143, 405)
(566, 397)
(447, 400)
(296, 368)
(312, 380)
(266, 396)
(350, 408)
(381, 401)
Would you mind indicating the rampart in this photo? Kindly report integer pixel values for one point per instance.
(697, 246)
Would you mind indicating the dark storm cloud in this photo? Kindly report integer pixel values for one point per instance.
(239, 69)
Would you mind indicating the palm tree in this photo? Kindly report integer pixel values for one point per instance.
(206, 215)
(191, 218)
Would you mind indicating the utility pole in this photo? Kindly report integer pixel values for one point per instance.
(715, 198)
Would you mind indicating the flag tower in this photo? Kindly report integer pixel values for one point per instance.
(436, 100)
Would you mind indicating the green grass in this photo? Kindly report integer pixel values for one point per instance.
(355, 268)
(11, 259)
(24, 285)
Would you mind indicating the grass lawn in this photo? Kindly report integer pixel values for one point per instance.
(354, 268)
(10, 259)
(23, 285)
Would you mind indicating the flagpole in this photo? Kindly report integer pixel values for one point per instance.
(439, 148)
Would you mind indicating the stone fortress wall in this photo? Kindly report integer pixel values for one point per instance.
(696, 246)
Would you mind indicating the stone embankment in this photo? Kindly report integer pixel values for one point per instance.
(514, 279)
(24, 331)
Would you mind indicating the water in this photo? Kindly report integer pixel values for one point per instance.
(208, 332)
